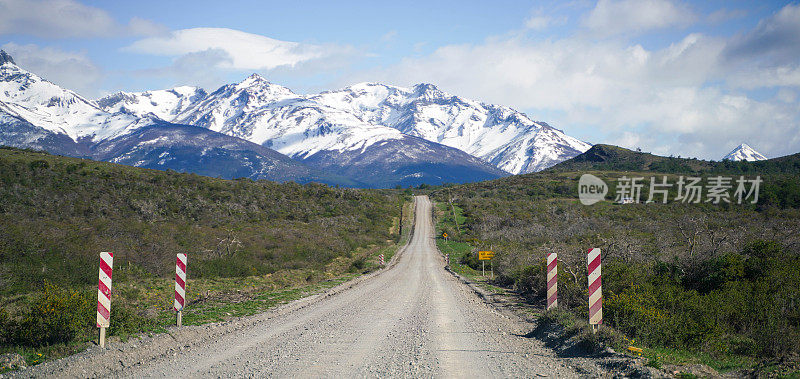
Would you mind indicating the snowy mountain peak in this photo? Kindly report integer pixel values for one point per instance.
(369, 113)
(164, 104)
(253, 90)
(58, 110)
(256, 83)
(5, 58)
(744, 152)
(189, 91)
(427, 90)
(499, 135)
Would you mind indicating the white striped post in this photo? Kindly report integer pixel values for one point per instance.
(381, 259)
(180, 286)
(552, 281)
(104, 295)
(595, 289)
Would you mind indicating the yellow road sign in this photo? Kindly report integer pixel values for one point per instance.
(444, 235)
(485, 255)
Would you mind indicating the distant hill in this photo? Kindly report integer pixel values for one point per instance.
(614, 158)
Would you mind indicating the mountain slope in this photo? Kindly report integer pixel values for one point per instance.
(744, 152)
(499, 135)
(57, 110)
(164, 104)
(201, 151)
(272, 115)
(409, 161)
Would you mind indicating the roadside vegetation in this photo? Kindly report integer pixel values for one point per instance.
(691, 283)
(250, 245)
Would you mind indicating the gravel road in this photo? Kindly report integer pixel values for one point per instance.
(412, 319)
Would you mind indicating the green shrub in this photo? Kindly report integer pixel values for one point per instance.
(126, 321)
(55, 315)
(358, 265)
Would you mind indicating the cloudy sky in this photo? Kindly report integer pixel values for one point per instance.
(671, 77)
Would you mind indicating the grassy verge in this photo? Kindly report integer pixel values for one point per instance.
(251, 245)
(462, 249)
(142, 303)
(462, 254)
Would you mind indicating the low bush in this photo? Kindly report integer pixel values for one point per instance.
(697, 277)
(55, 315)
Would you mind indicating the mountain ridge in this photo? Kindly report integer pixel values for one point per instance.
(602, 157)
(138, 129)
(270, 114)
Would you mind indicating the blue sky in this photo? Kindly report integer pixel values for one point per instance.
(672, 77)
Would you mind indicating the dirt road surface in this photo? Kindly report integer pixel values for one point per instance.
(413, 319)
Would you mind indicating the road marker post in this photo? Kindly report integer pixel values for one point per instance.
(595, 289)
(180, 286)
(552, 281)
(104, 295)
(380, 259)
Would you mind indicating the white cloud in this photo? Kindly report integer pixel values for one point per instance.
(246, 51)
(141, 27)
(65, 18)
(389, 36)
(541, 19)
(775, 41)
(786, 95)
(614, 17)
(195, 69)
(68, 69)
(682, 99)
(537, 22)
(723, 15)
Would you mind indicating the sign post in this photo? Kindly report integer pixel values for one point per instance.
(595, 289)
(104, 295)
(180, 286)
(484, 256)
(552, 280)
(444, 235)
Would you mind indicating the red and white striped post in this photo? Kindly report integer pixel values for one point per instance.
(380, 258)
(104, 295)
(180, 285)
(595, 289)
(552, 281)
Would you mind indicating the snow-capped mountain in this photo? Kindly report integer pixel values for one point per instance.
(164, 104)
(57, 110)
(274, 116)
(744, 152)
(364, 114)
(328, 138)
(499, 135)
(149, 130)
(35, 113)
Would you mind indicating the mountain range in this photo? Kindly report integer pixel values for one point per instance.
(366, 135)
